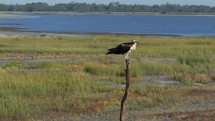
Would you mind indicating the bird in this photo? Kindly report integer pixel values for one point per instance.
(123, 48)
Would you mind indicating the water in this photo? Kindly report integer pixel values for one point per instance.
(121, 23)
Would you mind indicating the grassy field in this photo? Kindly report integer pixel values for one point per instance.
(57, 77)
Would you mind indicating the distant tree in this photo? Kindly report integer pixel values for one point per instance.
(111, 7)
(3, 7)
(60, 7)
(20, 7)
(155, 8)
(40, 6)
(93, 7)
(11, 8)
(81, 7)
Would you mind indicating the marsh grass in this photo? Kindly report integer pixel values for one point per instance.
(104, 70)
(29, 93)
(91, 83)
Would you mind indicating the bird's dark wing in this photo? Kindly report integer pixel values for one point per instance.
(111, 51)
(122, 48)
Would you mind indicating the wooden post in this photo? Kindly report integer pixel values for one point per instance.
(127, 77)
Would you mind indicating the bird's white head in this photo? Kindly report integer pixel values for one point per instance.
(134, 41)
(133, 47)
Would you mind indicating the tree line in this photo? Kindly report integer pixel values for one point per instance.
(111, 7)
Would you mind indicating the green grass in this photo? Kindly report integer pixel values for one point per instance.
(90, 81)
(28, 93)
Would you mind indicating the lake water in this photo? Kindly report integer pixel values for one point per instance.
(184, 25)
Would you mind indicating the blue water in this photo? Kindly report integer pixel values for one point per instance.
(108, 23)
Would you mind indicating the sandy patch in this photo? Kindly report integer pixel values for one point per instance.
(14, 16)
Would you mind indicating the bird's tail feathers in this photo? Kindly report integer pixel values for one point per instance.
(111, 51)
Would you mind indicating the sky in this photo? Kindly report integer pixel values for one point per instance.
(146, 2)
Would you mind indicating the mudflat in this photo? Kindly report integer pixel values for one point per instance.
(7, 15)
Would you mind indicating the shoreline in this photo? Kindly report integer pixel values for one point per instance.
(15, 31)
(25, 14)
(22, 31)
(14, 15)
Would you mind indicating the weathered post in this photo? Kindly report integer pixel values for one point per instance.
(124, 49)
(127, 78)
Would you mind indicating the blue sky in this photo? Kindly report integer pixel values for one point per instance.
(147, 2)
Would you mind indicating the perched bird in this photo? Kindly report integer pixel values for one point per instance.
(124, 48)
